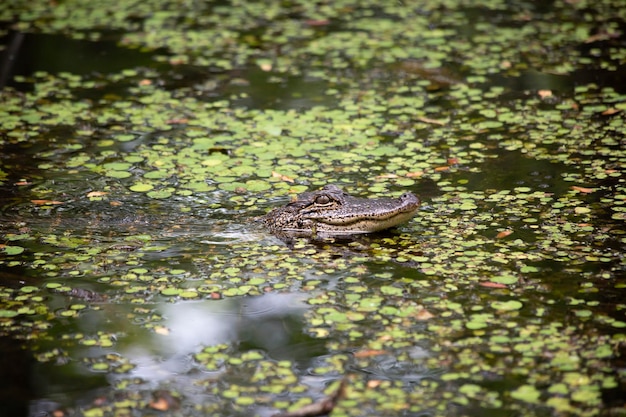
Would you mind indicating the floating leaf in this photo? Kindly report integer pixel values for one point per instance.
(171, 291)
(8, 313)
(96, 194)
(507, 305)
(504, 279)
(141, 187)
(504, 234)
(12, 250)
(46, 202)
(527, 393)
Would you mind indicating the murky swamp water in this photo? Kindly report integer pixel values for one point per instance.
(135, 278)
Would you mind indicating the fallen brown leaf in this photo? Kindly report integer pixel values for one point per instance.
(544, 93)
(368, 353)
(317, 22)
(582, 189)
(282, 177)
(504, 234)
(177, 121)
(159, 404)
(96, 193)
(45, 202)
(424, 314)
(611, 111)
(163, 400)
(58, 413)
(432, 121)
(385, 338)
(492, 285)
(374, 383)
(602, 36)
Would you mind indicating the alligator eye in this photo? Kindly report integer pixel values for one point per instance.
(322, 199)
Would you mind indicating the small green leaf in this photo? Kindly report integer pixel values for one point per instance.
(141, 187)
(13, 250)
(527, 393)
(389, 290)
(170, 291)
(507, 305)
(504, 279)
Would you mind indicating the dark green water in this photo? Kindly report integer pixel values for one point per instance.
(132, 267)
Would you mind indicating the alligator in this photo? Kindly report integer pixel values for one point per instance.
(332, 211)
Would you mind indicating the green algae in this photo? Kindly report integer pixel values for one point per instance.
(454, 303)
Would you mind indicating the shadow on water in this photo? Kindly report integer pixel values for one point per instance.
(512, 169)
(30, 52)
(16, 373)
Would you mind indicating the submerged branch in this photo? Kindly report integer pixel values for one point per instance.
(318, 408)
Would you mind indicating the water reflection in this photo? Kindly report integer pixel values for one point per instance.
(271, 322)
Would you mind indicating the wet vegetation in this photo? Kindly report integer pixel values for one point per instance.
(141, 141)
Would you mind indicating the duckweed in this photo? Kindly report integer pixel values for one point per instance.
(136, 190)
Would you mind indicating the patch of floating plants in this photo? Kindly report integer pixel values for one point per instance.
(129, 195)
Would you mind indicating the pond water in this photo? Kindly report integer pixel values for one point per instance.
(139, 148)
